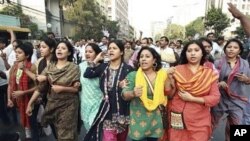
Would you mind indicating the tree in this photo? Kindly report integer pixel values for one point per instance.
(89, 20)
(216, 20)
(175, 31)
(157, 36)
(112, 27)
(240, 32)
(25, 20)
(194, 27)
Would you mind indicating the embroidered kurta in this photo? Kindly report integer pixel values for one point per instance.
(114, 111)
(143, 123)
(90, 97)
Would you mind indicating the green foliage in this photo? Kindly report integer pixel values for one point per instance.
(216, 20)
(157, 36)
(112, 27)
(175, 31)
(194, 27)
(88, 19)
(25, 21)
(240, 32)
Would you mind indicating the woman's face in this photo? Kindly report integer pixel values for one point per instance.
(146, 60)
(232, 50)
(44, 49)
(20, 55)
(194, 54)
(90, 53)
(62, 52)
(207, 47)
(114, 52)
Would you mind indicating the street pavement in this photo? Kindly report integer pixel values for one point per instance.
(217, 136)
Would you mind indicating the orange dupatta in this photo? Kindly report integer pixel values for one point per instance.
(199, 84)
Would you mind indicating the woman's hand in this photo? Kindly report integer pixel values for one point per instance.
(171, 70)
(99, 57)
(138, 91)
(41, 78)
(57, 88)
(242, 77)
(222, 84)
(17, 94)
(10, 103)
(124, 83)
(185, 96)
(29, 110)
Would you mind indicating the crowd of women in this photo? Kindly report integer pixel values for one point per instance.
(115, 100)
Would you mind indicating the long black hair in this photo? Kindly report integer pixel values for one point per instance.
(155, 55)
(183, 56)
(95, 47)
(70, 48)
(237, 41)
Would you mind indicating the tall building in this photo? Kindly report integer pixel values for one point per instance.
(242, 5)
(118, 11)
(45, 13)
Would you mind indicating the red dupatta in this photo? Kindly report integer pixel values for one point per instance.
(199, 84)
(22, 101)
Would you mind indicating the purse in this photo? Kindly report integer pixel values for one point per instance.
(177, 119)
(162, 108)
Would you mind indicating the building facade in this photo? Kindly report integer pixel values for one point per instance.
(118, 11)
(45, 13)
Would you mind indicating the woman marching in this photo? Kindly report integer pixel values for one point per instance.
(111, 122)
(61, 78)
(234, 86)
(46, 47)
(146, 89)
(90, 94)
(21, 87)
(196, 92)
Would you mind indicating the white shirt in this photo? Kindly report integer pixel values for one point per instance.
(167, 56)
(34, 56)
(157, 49)
(216, 47)
(8, 50)
(2, 68)
(82, 52)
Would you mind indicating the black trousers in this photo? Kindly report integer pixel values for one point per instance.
(3, 104)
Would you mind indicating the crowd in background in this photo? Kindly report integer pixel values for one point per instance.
(120, 88)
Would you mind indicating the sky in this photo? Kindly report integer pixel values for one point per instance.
(143, 12)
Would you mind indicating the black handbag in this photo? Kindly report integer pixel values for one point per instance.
(162, 108)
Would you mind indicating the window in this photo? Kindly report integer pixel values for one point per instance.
(243, 6)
